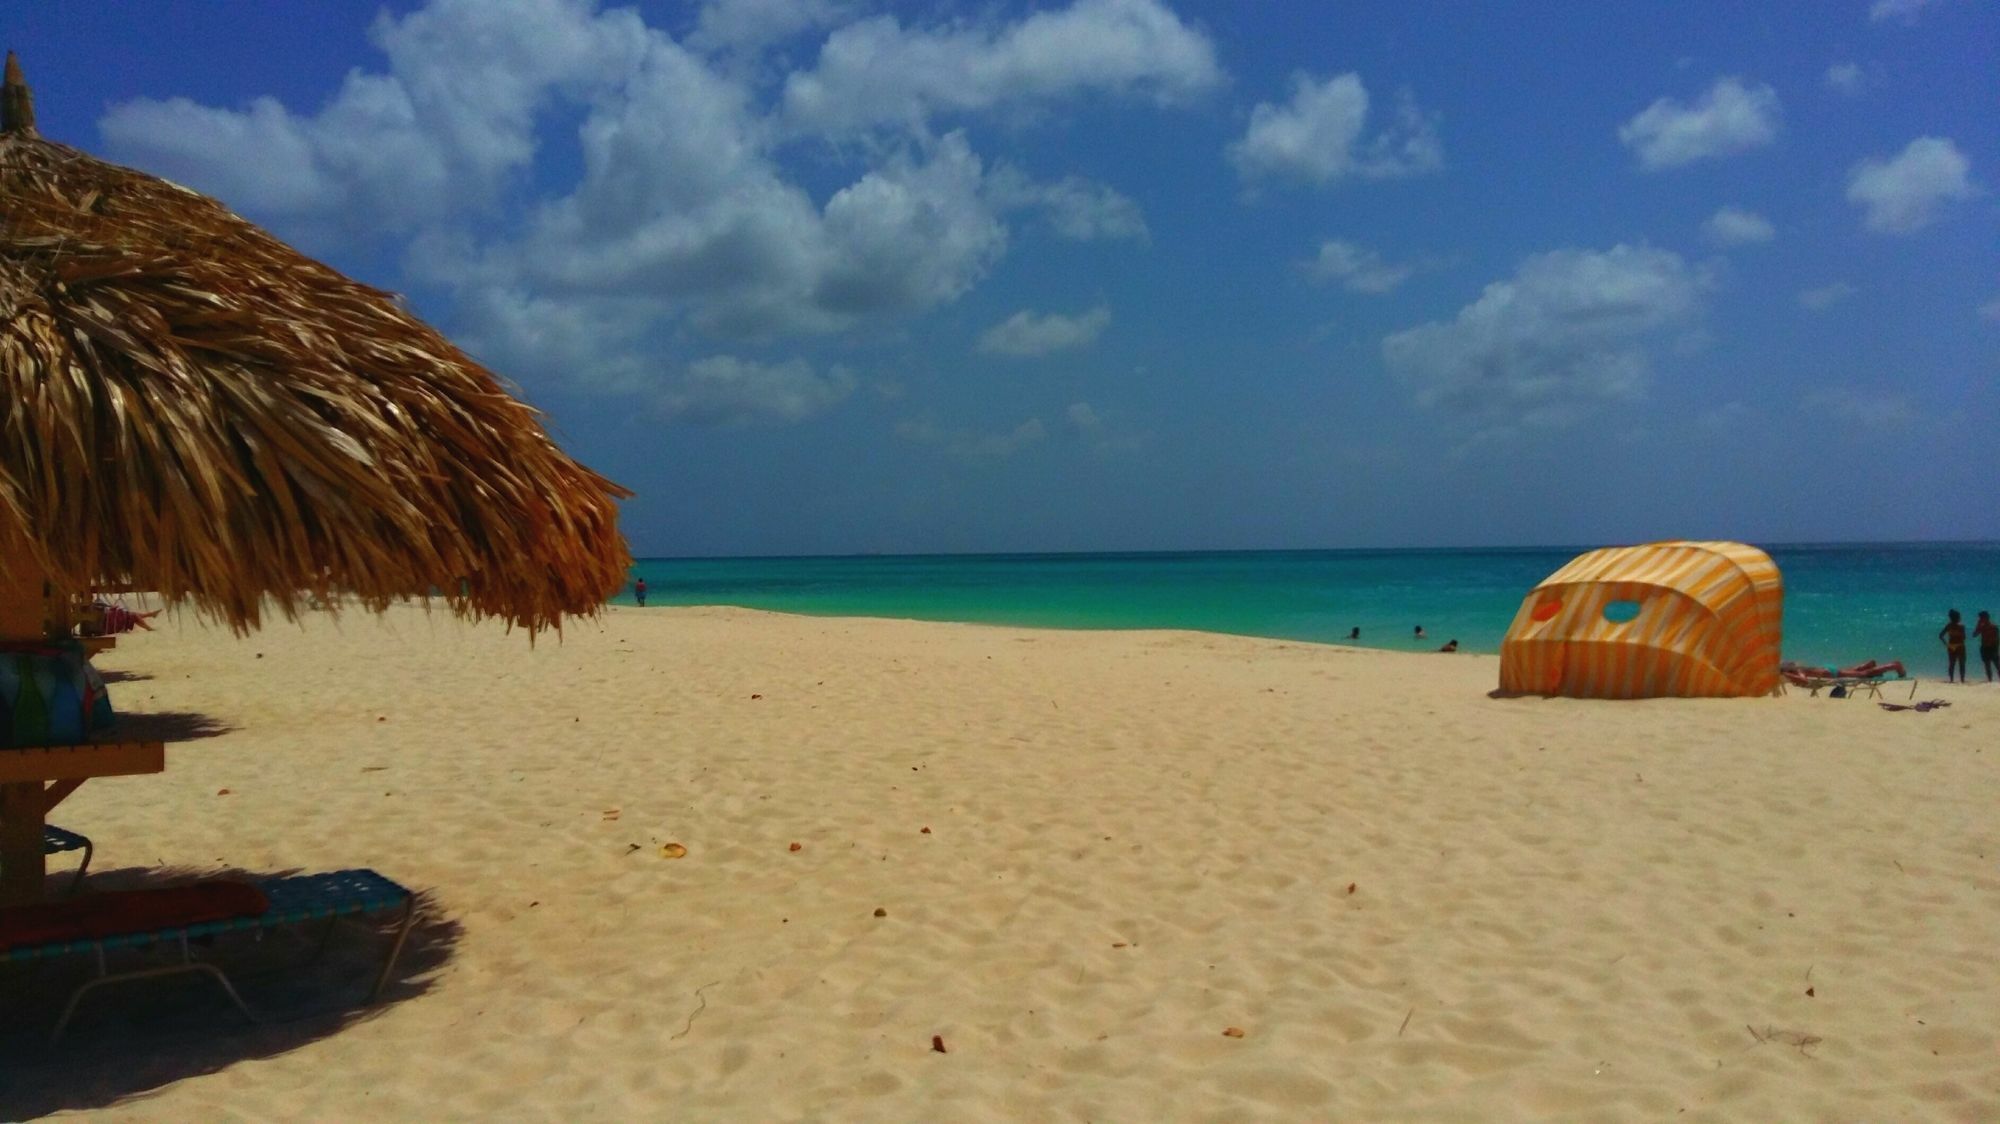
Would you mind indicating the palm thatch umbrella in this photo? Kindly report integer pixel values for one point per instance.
(189, 405)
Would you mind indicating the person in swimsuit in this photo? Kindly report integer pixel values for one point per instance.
(1449, 646)
(1953, 635)
(639, 592)
(1420, 632)
(1989, 644)
(1355, 633)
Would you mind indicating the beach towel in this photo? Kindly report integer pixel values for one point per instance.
(96, 916)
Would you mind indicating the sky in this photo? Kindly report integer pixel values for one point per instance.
(831, 276)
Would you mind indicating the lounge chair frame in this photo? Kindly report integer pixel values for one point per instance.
(294, 900)
(55, 841)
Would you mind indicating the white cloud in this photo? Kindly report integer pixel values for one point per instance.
(448, 128)
(1316, 139)
(1846, 77)
(1864, 408)
(1083, 417)
(970, 445)
(1825, 296)
(749, 24)
(877, 71)
(1904, 192)
(685, 219)
(1567, 332)
(1731, 117)
(1357, 269)
(1077, 208)
(1904, 10)
(1734, 226)
(1991, 310)
(725, 390)
(1027, 334)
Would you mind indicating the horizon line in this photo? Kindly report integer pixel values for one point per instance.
(1816, 544)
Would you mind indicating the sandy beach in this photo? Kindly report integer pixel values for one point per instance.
(1074, 859)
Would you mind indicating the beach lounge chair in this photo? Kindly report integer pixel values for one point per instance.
(55, 841)
(170, 917)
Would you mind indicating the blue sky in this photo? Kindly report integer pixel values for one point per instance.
(820, 276)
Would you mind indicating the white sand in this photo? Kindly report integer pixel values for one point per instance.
(1559, 909)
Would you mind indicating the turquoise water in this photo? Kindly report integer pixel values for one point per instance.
(1842, 603)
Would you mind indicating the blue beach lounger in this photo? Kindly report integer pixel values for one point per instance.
(205, 909)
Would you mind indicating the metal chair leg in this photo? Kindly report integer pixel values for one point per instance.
(395, 950)
(89, 849)
(69, 1010)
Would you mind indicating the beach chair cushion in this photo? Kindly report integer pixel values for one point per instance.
(99, 917)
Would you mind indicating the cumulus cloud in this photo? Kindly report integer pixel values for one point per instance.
(972, 445)
(1317, 138)
(1730, 117)
(1734, 226)
(878, 71)
(749, 24)
(1078, 209)
(1568, 332)
(1905, 192)
(1846, 77)
(1356, 269)
(1903, 10)
(1823, 297)
(725, 390)
(1026, 334)
(685, 220)
(450, 126)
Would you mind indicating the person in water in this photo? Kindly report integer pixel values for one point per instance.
(1953, 635)
(1420, 632)
(1355, 633)
(1450, 645)
(1989, 645)
(639, 592)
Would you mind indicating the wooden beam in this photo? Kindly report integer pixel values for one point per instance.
(58, 792)
(98, 759)
(23, 867)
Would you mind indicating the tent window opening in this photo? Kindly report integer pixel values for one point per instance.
(1618, 612)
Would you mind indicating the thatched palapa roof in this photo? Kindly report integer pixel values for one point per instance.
(190, 405)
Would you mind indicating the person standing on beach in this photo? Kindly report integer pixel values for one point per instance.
(639, 592)
(1989, 644)
(1953, 635)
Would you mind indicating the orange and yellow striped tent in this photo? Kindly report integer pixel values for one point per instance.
(1668, 619)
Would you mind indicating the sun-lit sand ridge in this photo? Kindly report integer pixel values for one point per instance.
(1414, 900)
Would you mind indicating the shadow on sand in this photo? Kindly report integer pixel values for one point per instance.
(124, 676)
(169, 726)
(132, 1039)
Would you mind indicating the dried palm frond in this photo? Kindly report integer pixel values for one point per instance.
(191, 406)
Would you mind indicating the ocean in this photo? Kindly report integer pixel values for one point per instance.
(1843, 603)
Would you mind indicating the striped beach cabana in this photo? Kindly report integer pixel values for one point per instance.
(1668, 619)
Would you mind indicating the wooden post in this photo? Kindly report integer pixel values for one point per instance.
(23, 616)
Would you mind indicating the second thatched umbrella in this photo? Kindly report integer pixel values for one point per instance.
(191, 406)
